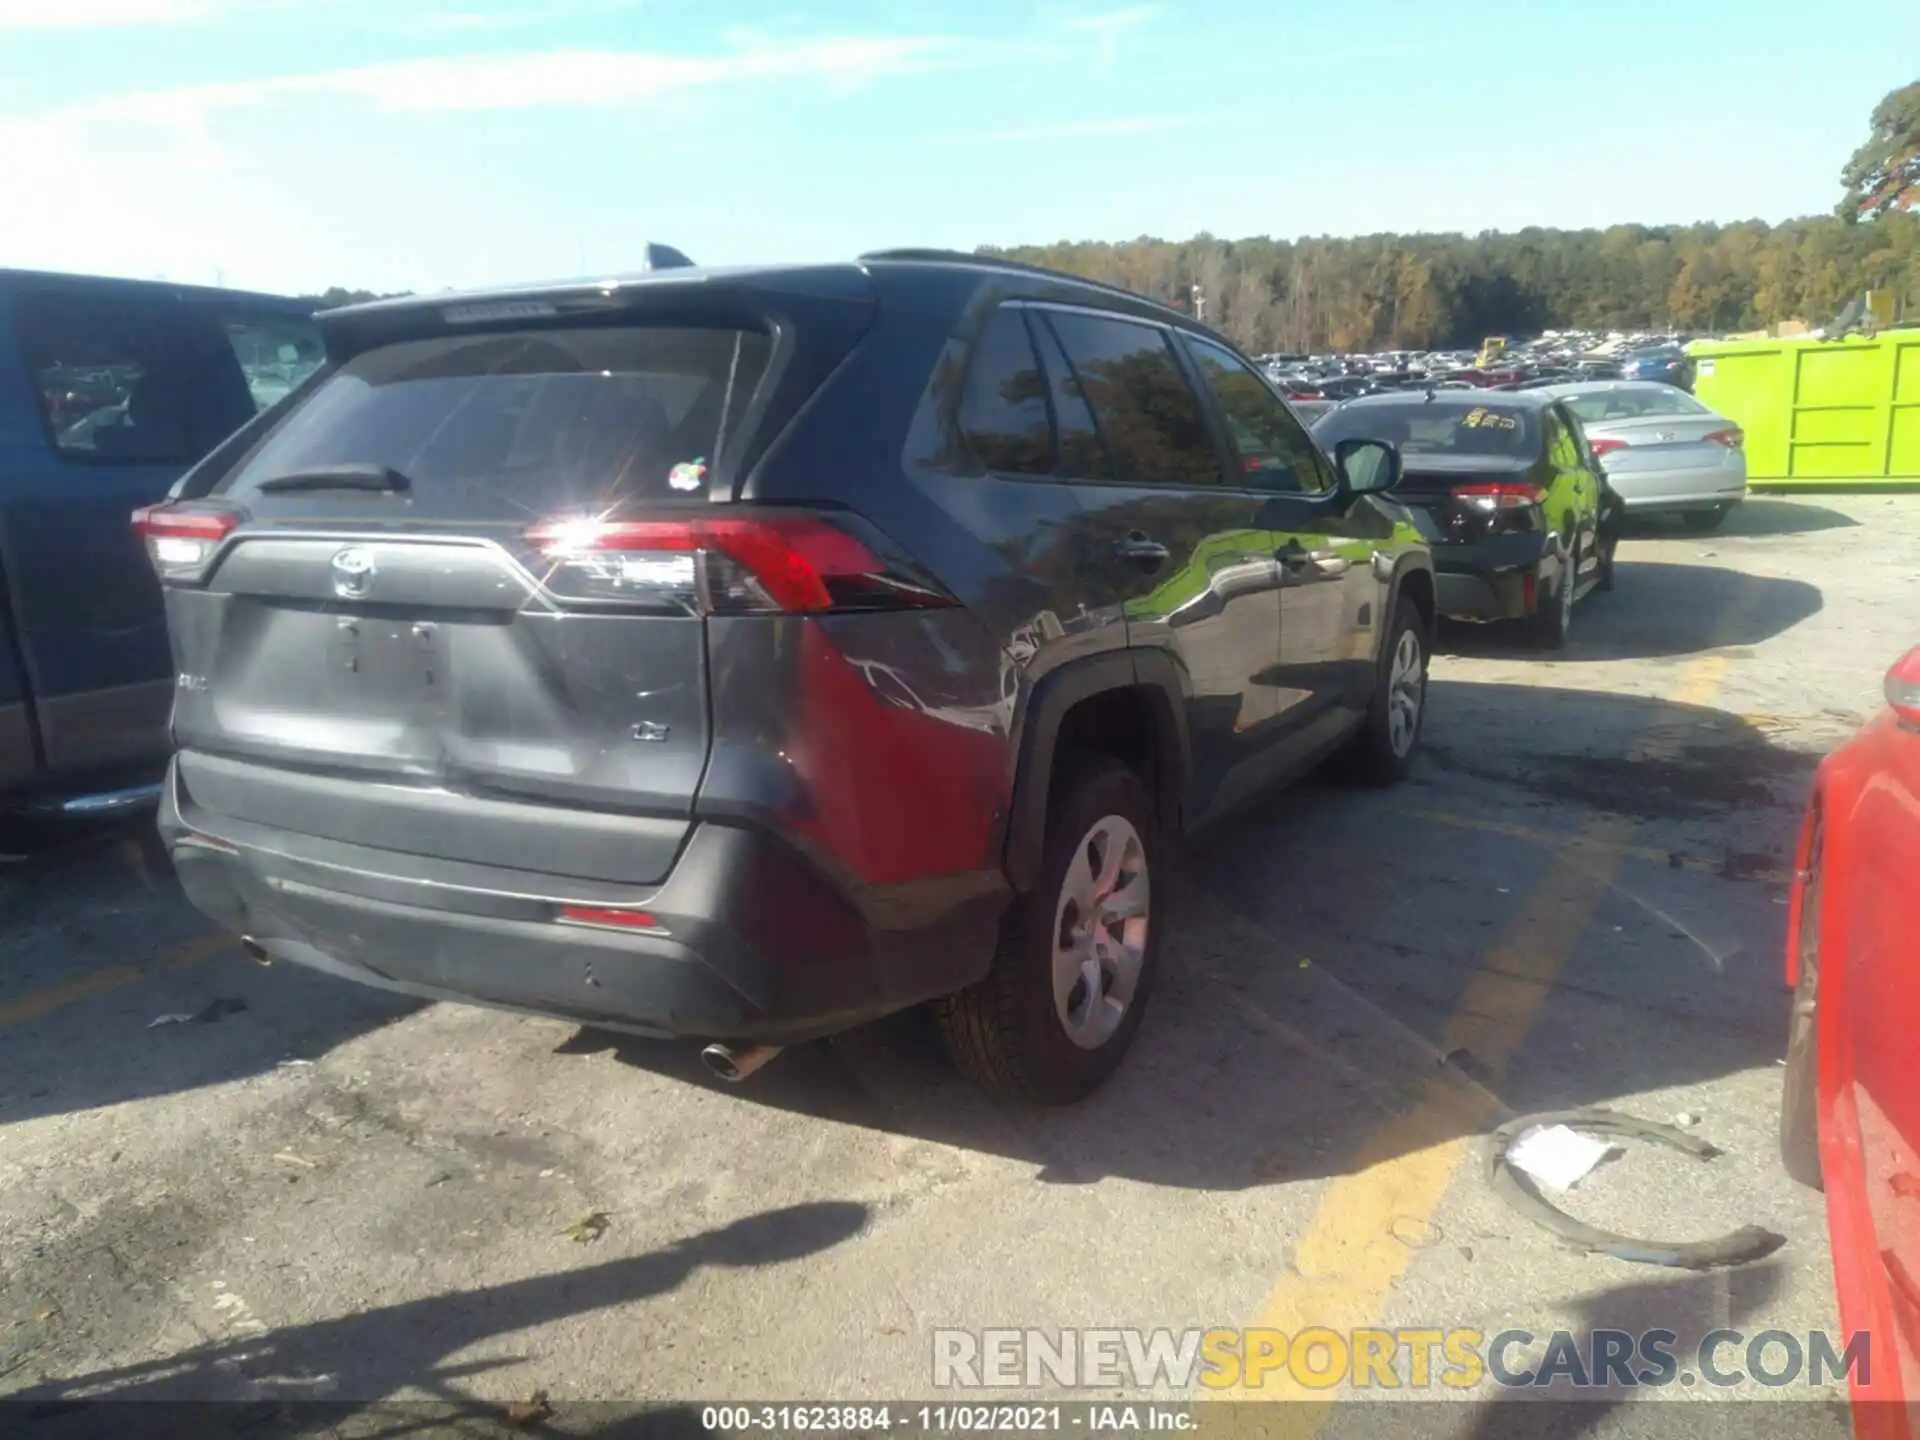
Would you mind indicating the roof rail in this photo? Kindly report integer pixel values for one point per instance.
(995, 262)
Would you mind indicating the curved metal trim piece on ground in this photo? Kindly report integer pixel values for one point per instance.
(1749, 1242)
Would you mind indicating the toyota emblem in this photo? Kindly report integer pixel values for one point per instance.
(353, 573)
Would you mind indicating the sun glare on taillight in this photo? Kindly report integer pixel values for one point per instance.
(776, 564)
(180, 541)
(1499, 494)
(1732, 438)
(1902, 687)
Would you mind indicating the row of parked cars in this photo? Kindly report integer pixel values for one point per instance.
(1556, 357)
(1665, 452)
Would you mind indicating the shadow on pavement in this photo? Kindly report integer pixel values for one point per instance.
(98, 942)
(409, 1345)
(1759, 516)
(1657, 611)
(1253, 1068)
(1689, 1308)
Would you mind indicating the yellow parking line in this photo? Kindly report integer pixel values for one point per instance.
(1347, 1262)
(36, 1004)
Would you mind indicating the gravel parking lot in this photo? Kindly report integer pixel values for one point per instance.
(310, 1189)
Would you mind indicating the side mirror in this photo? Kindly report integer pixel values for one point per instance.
(1368, 466)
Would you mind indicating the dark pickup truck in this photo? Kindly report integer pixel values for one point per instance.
(109, 391)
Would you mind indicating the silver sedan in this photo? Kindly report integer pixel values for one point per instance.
(1664, 452)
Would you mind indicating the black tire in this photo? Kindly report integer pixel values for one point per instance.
(1372, 756)
(1613, 520)
(1552, 618)
(1799, 1085)
(1006, 1033)
(1703, 522)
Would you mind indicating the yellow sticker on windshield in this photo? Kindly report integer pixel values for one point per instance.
(1480, 418)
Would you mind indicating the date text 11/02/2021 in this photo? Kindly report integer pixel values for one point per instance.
(946, 1419)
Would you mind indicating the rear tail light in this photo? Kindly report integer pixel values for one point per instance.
(180, 540)
(775, 564)
(1902, 686)
(1499, 494)
(1606, 447)
(611, 917)
(1733, 439)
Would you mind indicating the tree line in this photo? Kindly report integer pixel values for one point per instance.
(1390, 292)
(1385, 292)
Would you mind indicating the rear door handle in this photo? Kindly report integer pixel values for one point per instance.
(1139, 551)
(1296, 557)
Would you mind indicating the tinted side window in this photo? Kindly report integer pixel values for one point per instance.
(1274, 451)
(1147, 413)
(1082, 456)
(1003, 411)
(274, 354)
(114, 380)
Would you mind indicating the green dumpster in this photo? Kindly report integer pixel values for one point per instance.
(1819, 412)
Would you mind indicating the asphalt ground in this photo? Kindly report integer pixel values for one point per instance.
(320, 1192)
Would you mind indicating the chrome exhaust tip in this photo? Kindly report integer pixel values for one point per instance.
(733, 1065)
(254, 948)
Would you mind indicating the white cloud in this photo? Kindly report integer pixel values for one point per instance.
(177, 181)
(99, 14)
(556, 79)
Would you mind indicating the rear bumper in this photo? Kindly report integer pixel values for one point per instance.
(1699, 488)
(753, 942)
(1487, 579)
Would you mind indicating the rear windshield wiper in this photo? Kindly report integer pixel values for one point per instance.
(340, 477)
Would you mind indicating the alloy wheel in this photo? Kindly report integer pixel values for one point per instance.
(1406, 692)
(1100, 931)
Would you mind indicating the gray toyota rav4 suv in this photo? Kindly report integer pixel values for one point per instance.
(746, 654)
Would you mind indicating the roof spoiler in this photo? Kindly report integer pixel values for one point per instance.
(663, 257)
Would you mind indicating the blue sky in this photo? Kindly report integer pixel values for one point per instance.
(416, 144)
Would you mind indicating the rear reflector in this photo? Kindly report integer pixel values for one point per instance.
(611, 917)
(1499, 494)
(1606, 447)
(181, 541)
(1902, 686)
(1733, 438)
(776, 564)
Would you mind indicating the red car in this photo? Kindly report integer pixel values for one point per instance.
(1850, 1106)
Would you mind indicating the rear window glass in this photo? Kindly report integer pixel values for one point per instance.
(522, 425)
(1597, 407)
(1420, 427)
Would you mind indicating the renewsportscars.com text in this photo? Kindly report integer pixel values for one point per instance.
(1378, 1359)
